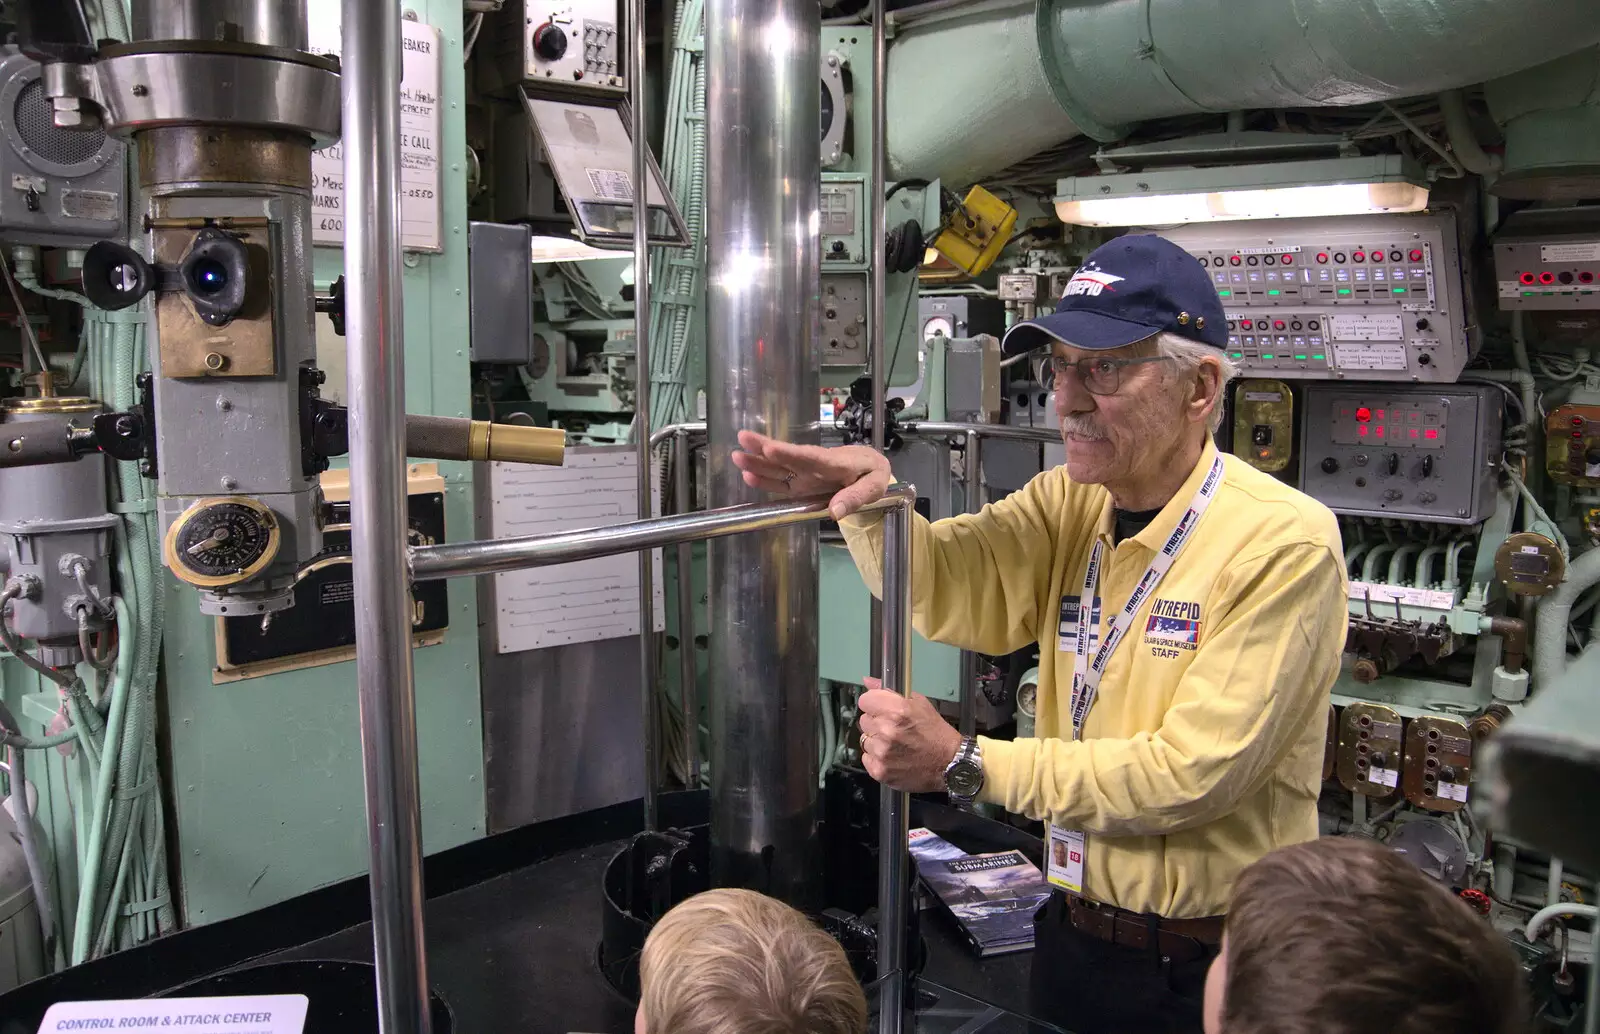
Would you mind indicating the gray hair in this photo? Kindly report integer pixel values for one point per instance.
(1187, 356)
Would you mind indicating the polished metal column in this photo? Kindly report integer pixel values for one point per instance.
(641, 406)
(762, 307)
(975, 498)
(877, 295)
(893, 806)
(688, 687)
(375, 342)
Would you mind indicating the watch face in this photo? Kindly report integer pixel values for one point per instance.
(964, 779)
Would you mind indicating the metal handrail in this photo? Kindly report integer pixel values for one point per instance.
(919, 429)
(497, 556)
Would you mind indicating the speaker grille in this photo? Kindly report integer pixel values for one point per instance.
(35, 125)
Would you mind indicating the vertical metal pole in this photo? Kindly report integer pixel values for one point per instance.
(763, 312)
(972, 478)
(893, 808)
(681, 454)
(375, 340)
(641, 404)
(877, 296)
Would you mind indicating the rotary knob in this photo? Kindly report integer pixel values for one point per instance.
(549, 42)
(1330, 465)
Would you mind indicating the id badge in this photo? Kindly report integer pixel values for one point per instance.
(1067, 626)
(1063, 861)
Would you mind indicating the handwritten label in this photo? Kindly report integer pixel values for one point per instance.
(256, 1014)
(420, 171)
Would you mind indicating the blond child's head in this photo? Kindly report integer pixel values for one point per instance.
(738, 962)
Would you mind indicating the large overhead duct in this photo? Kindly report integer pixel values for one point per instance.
(763, 257)
(969, 95)
(1551, 116)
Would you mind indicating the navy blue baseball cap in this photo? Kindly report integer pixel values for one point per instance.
(1129, 289)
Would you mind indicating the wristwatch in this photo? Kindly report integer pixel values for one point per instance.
(963, 776)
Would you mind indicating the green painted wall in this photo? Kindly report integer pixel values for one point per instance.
(266, 773)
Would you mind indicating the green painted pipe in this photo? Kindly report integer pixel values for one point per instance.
(970, 95)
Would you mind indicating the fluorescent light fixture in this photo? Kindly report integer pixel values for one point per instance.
(1276, 190)
(570, 249)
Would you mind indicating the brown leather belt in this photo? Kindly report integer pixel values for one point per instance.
(1177, 939)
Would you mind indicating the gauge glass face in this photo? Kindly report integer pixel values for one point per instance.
(938, 326)
(223, 539)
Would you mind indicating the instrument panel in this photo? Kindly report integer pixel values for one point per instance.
(1368, 297)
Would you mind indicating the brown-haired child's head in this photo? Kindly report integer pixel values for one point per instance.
(1344, 936)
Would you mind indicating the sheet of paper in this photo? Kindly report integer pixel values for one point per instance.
(572, 603)
(255, 1014)
(420, 171)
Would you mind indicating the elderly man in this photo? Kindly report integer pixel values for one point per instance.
(1189, 611)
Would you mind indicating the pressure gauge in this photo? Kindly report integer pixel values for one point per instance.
(938, 326)
(222, 541)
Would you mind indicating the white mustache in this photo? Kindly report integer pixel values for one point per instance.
(1081, 427)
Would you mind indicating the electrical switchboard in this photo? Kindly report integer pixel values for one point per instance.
(577, 44)
(844, 319)
(1403, 451)
(843, 221)
(1549, 260)
(1369, 297)
(1438, 762)
(1370, 749)
(1572, 445)
(1263, 424)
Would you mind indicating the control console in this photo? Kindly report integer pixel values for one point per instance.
(1401, 451)
(1375, 298)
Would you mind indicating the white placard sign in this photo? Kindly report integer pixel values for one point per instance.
(580, 602)
(1369, 357)
(255, 1014)
(420, 171)
(1366, 328)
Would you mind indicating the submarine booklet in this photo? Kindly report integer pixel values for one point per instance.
(992, 896)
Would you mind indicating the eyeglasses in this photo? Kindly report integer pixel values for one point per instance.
(1099, 376)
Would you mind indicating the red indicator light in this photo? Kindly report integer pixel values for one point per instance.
(1578, 435)
(1322, 258)
(1287, 260)
(1359, 256)
(1235, 260)
(1413, 432)
(1380, 431)
(1586, 277)
(1361, 431)
(1380, 414)
(1277, 324)
(1526, 278)
(1577, 421)
(1431, 433)
(1547, 277)
(1416, 254)
(1363, 414)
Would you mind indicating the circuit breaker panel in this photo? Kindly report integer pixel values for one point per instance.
(1549, 260)
(1402, 451)
(1363, 297)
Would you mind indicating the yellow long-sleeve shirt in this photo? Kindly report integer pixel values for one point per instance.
(1203, 749)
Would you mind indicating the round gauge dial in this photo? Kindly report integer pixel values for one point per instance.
(221, 542)
(938, 326)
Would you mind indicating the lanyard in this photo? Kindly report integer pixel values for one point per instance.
(1086, 674)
